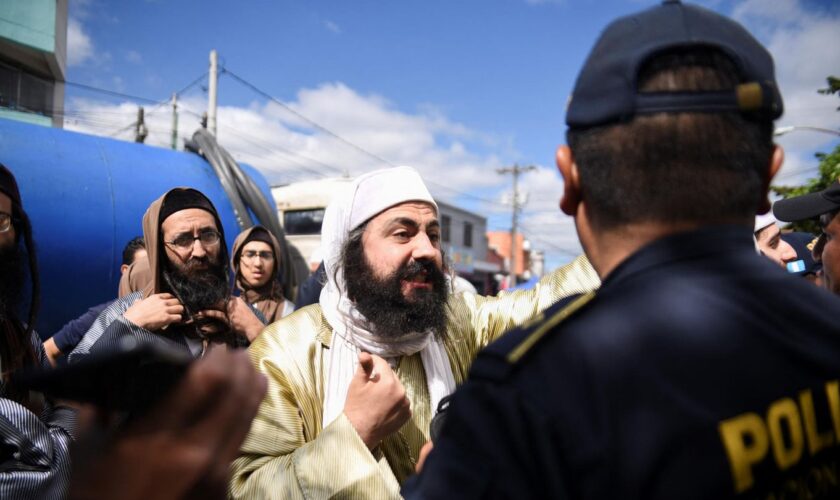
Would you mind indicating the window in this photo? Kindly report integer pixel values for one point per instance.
(9, 83)
(303, 221)
(22, 91)
(468, 231)
(445, 224)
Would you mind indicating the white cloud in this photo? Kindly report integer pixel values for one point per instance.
(79, 45)
(332, 27)
(80, 9)
(804, 45)
(134, 57)
(286, 148)
(455, 159)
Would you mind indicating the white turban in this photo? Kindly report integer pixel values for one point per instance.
(764, 220)
(367, 196)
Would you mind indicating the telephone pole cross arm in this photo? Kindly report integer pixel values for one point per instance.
(516, 170)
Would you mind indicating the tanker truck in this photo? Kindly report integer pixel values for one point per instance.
(86, 196)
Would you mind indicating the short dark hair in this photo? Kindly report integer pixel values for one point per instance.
(675, 167)
(131, 248)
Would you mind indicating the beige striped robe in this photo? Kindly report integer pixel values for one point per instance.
(288, 454)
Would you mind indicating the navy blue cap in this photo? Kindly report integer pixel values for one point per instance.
(809, 205)
(803, 244)
(606, 89)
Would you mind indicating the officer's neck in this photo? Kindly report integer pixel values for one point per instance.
(606, 249)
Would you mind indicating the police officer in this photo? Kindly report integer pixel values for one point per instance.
(699, 369)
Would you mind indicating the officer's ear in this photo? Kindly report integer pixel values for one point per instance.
(571, 182)
(776, 160)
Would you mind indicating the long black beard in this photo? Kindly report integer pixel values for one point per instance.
(197, 287)
(382, 301)
(12, 278)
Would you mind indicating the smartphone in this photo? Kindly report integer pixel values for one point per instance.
(131, 377)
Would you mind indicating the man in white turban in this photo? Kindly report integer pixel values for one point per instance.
(768, 240)
(355, 380)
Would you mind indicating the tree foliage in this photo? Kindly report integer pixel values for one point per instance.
(829, 173)
(832, 88)
(829, 170)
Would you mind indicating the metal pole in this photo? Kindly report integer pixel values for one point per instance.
(790, 128)
(174, 121)
(515, 170)
(512, 274)
(211, 93)
(140, 131)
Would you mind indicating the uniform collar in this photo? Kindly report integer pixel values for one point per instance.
(683, 246)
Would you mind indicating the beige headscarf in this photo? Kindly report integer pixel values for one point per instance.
(137, 277)
(268, 299)
(153, 237)
(368, 195)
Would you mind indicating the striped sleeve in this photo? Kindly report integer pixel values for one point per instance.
(35, 451)
(110, 327)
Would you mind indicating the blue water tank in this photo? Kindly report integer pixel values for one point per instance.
(86, 196)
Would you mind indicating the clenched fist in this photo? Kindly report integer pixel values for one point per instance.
(376, 404)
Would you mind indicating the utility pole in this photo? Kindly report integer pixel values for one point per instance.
(516, 170)
(140, 130)
(213, 78)
(174, 121)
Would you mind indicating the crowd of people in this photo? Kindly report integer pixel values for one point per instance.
(690, 353)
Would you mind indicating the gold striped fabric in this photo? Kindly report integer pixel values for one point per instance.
(288, 454)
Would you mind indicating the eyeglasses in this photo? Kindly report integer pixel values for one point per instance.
(252, 254)
(5, 222)
(185, 241)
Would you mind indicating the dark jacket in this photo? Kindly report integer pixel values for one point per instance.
(698, 370)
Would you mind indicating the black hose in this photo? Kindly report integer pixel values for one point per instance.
(245, 195)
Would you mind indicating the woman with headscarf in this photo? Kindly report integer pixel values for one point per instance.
(256, 263)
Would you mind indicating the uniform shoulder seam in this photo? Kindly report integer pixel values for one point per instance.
(520, 350)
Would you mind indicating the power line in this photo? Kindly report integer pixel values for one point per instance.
(548, 243)
(273, 148)
(302, 117)
(179, 93)
(111, 92)
(336, 136)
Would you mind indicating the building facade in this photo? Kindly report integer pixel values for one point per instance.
(33, 60)
(464, 240)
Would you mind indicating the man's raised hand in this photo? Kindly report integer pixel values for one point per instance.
(376, 404)
(155, 311)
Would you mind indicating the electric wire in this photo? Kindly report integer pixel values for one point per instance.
(302, 117)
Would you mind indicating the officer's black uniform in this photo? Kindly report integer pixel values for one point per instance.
(698, 370)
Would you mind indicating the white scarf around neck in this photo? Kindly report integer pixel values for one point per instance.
(367, 196)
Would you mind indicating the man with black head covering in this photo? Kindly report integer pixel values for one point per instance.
(33, 450)
(188, 299)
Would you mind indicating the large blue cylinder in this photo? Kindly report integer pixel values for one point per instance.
(86, 196)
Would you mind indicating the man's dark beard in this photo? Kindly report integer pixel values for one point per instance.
(200, 284)
(382, 301)
(12, 278)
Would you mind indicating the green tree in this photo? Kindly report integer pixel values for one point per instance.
(829, 170)
(832, 88)
(829, 173)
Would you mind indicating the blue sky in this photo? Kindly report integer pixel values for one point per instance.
(455, 88)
